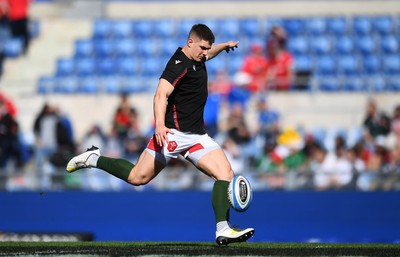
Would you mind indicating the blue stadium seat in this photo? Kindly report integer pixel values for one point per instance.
(337, 26)
(152, 66)
(143, 28)
(104, 48)
(67, 85)
(370, 64)
(147, 47)
(168, 47)
(316, 26)
(102, 28)
(303, 63)
(366, 45)
(347, 64)
(375, 83)
(165, 28)
(111, 85)
(353, 83)
(391, 64)
(384, 25)
(344, 45)
(234, 64)
(320, 45)
(325, 65)
(128, 66)
(84, 48)
(250, 27)
(212, 23)
(125, 47)
(389, 44)
(85, 67)
(354, 135)
(122, 29)
(65, 67)
(184, 26)
(294, 26)
(132, 85)
(298, 45)
(329, 83)
(393, 83)
(229, 27)
(215, 65)
(362, 25)
(106, 66)
(319, 134)
(89, 85)
(13, 47)
(46, 85)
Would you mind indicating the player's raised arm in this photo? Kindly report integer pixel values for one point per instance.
(218, 48)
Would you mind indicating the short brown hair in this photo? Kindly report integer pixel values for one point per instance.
(202, 32)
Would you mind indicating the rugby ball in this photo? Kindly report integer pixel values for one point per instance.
(240, 194)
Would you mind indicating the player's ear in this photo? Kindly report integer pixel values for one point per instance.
(190, 42)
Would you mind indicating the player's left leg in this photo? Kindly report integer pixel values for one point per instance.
(216, 165)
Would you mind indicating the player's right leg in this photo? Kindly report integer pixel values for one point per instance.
(137, 174)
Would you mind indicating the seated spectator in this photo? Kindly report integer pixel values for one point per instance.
(280, 67)
(255, 65)
(8, 136)
(376, 123)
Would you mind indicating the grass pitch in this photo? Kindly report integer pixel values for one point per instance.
(103, 249)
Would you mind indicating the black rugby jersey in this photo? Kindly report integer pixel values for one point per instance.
(186, 103)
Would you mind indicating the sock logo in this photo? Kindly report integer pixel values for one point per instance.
(172, 145)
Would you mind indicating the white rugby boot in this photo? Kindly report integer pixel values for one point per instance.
(233, 235)
(82, 161)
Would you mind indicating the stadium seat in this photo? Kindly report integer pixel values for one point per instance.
(393, 83)
(391, 64)
(128, 66)
(298, 45)
(370, 64)
(250, 27)
(143, 28)
(89, 85)
(102, 29)
(229, 27)
(325, 65)
(365, 44)
(375, 83)
(234, 64)
(184, 26)
(294, 26)
(132, 85)
(125, 47)
(111, 85)
(344, 45)
(85, 67)
(215, 65)
(84, 48)
(362, 26)
(122, 29)
(320, 45)
(328, 83)
(337, 26)
(303, 63)
(389, 44)
(106, 66)
(347, 64)
(147, 47)
(319, 134)
(354, 135)
(165, 28)
(65, 67)
(384, 25)
(168, 47)
(46, 85)
(353, 83)
(104, 48)
(13, 47)
(316, 26)
(152, 66)
(66, 85)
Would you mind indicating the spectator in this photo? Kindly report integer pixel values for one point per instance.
(255, 65)
(280, 70)
(375, 122)
(8, 136)
(135, 142)
(121, 117)
(18, 15)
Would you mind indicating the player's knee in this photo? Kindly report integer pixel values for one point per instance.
(138, 180)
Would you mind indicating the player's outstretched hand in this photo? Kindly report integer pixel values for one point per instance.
(231, 46)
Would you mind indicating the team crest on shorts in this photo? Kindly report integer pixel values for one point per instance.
(172, 145)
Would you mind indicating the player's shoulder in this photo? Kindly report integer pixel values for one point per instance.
(178, 61)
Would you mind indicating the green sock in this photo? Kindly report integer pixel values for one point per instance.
(117, 167)
(220, 200)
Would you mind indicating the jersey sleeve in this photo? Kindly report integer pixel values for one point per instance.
(174, 71)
